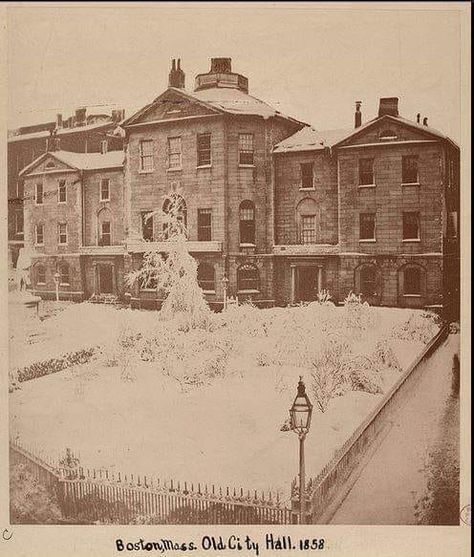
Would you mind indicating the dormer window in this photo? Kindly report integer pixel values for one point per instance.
(387, 135)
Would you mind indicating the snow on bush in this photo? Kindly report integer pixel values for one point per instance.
(421, 326)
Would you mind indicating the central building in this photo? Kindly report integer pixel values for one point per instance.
(210, 149)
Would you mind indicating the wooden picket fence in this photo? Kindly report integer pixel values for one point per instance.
(89, 496)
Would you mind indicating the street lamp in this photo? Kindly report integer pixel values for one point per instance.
(300, 419)
(56, 277)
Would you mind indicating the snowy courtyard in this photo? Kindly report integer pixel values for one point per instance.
(207, 404)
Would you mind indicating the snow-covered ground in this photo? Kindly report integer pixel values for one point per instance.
(224, 431)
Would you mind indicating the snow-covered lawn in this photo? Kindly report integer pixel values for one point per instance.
(209, 409)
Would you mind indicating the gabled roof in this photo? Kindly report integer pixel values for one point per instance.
(219, 101)
(81, 161)
(309, 139)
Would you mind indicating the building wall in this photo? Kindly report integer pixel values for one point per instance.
(289, 194)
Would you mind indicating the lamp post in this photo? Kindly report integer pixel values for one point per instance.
(300, 418)
(56, 277)
(225, 284)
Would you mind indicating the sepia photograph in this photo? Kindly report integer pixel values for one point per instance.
(234, 270)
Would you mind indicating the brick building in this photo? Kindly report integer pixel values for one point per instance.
(81, 133)
(275, 210)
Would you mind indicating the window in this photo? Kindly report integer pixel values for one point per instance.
(64, 275)
(104, 146)
(411, 226)
(246, 149)
(174, 153)
(206, 277)
(105, 189)
(39, 194)
(367, 226)
(39, 234)
(147, 225)
(308, 229)
(40, 274)
(247, 278)
(368, 280)
(146, 155)
(388, 135)
(412, 281)
(410, 169)
(105, 233)
(204, 225)
(366, 172)
(204, 149)
(306, 212)
(247, 222)
(19, 222)
(62, 191)
(62, 233)
(306, 170)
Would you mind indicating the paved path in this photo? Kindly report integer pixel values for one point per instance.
(413, 477)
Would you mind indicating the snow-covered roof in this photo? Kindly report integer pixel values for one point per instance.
(82, 161)
(309, 139)
(60, 131)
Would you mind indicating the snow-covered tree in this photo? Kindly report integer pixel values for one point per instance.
(174, 272)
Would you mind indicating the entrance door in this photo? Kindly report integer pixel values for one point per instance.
(106, 283)
(308, 284)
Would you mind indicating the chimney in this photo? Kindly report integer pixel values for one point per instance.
(118, 115)
(418, 118)
(176, 76)
(388, 106)
(358, 115)
(80, 116)
(52, 143)
(59, 121)
(425, 121)
(221, 65)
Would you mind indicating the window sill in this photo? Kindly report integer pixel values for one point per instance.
(410, 184)
(208, 291)
(104, 200)
(62, 202)
(146, 171)
(363, 186)
(367, 241)
(307, 189)
(405, 240)
(203, 166)
(40, 284)
(39, 245)
(246, 165)
(250, 291)
(180, 169)
(64, 284)
(62, 245)
(412, 295)
(244, 245)
(148, 290)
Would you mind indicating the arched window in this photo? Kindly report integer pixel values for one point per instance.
(387, 134)
(247, 222)
(206, 277)
(306, 212)
(40, 274)
(175, 220)
(64, 274)
(104, 224)
(367, 280)
(412, 280)
(247, 278)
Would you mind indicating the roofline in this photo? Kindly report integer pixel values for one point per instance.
(59, 131)
(25, 171)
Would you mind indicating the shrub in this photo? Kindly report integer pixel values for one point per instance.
(420, 326)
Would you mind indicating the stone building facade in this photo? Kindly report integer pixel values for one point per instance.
(275, 211)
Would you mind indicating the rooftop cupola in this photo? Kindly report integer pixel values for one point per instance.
(176, 76)
(222, 76)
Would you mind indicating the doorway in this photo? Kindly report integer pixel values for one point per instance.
(308, 283)
(106, 280)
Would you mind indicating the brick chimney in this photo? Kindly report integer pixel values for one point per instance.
(176, 76)
(221, 76)
(80, 119)
(358, 115)
(59, 121)
(53, 142)
(388, 106)
(221, 65)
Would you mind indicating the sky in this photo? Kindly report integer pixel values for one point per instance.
(311, 61)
